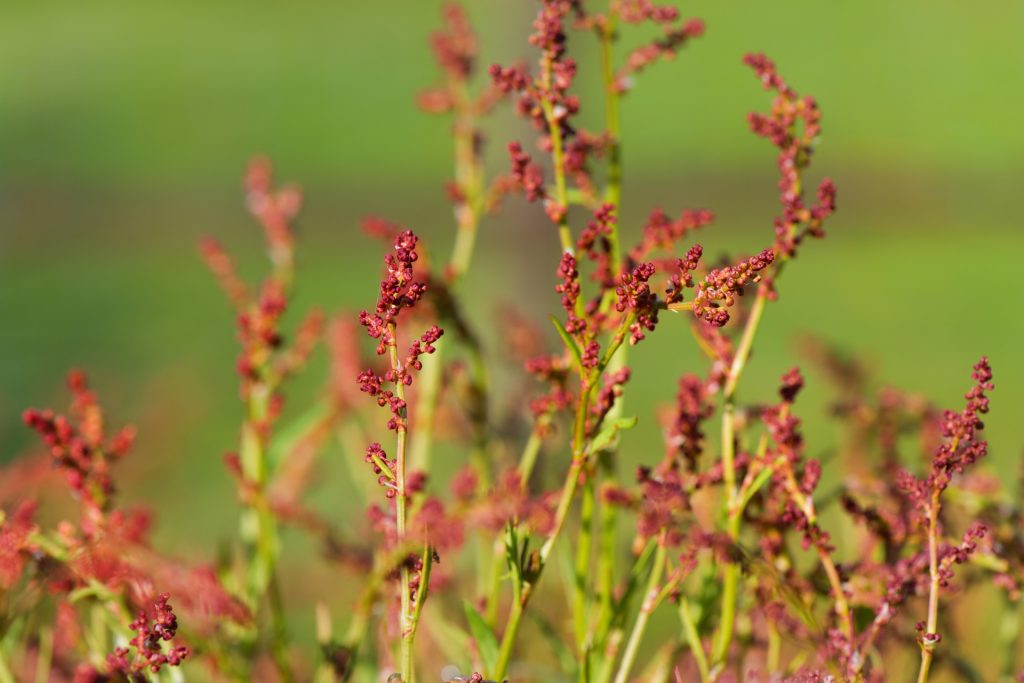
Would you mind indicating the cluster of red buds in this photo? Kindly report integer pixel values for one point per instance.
(545, 100)
(960, 447)
(663, 233)
(148, 653)
(795, 144)
(685, 434)
(398, 291)
(675, 37)
(264, 357)
(718, 290)
(82, 451)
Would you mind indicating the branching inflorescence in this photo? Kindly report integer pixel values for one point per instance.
(775, 568)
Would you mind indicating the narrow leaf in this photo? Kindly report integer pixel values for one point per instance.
(759, 481)
(570, 344)
(609, 433)
(486, 641)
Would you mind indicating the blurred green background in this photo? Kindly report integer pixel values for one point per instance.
(125, 127)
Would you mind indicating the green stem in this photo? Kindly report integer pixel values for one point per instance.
(470, 180)
(279, 632)
(582, 571)
(731, 572)
(613, 196)
(528, 459)
(746, 344)
(561, 513)
(45, 656)
(774, 648)
(652, 597)
(259, 528)
(693, 640)
(558, 162)
(515, 618)
(605, 564)
(5, 671)
(401, 505)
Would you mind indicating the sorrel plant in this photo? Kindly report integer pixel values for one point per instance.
(731, 535)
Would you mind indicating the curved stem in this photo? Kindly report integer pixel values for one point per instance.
(561, 513)
(693, 640)
(652, 597)
(558, 163)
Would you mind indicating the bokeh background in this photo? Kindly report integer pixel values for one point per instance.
(125, 127)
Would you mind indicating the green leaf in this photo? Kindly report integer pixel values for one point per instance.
(485, 639)
(570, 344)
(609, 433)
(759, 481)
(513, 553)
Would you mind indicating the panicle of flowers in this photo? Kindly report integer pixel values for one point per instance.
(152, 629)
(684, 432)
(16, 547)
(664, 504)
(380, 228)
(634, 294)
(554, 371)
(673, 39)
(594, 242)
(782, 425)
(545, 99)
(796, 145)
(639, 11)
(580, 149)
(661, 232)
(398, 291)
(795, 480)
(81, 448)
(569, 288)
(682, 278)
(264, 357)
(455, 48)
(220, 263)
(526, 174)
(718, 290)
(546, 102)
(275, 209)
(611, 390)
(960, 447)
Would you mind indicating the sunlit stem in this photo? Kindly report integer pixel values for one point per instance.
(652, 597)
(401, 503)
(731, 571)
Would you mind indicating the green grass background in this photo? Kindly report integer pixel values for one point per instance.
(124, 128)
